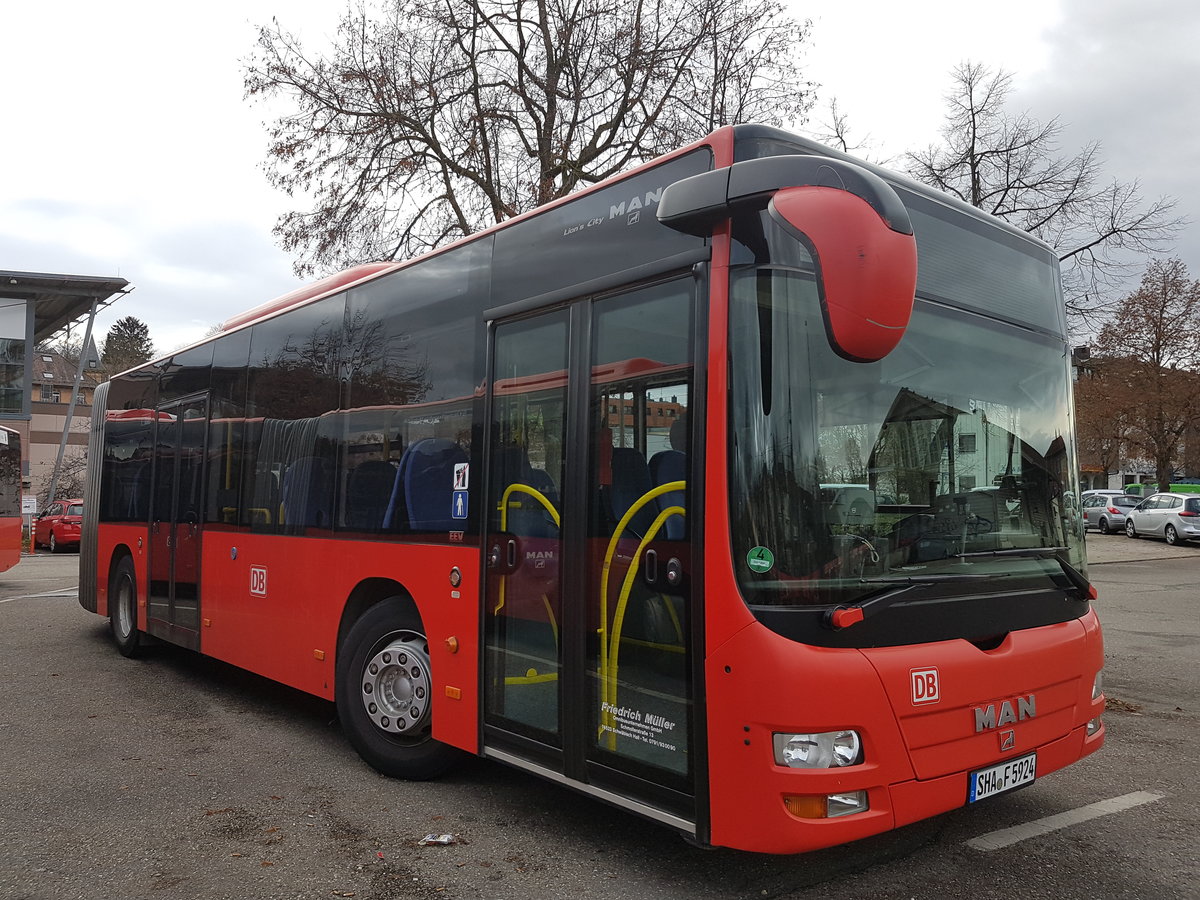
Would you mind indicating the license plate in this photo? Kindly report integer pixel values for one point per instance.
(1002, 777)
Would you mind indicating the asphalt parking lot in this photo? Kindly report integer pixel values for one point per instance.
(178, 777)
(1110, 548)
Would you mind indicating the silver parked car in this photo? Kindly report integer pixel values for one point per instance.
(1106, 512)
(1173, 517)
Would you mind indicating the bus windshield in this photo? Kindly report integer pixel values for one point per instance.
(846, 476)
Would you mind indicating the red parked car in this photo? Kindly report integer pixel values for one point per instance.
(59, 525)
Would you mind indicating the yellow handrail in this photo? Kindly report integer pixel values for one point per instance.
(605, 676)
(545, 501)
(609, 673)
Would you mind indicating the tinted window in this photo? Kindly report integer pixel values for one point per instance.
(973, 264)
(966, 259)
(128, 446)
(1125, 502)
(185, 373)
(413, 352)
(1193, 505)
(227, 429)
(607, 231)
(293, 383)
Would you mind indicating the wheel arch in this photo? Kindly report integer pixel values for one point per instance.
(368, 593)
(431, 755)
(119, 552)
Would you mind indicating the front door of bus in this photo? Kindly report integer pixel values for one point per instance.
(588, 616)
(173, 611)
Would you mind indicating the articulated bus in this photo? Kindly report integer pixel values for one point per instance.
(738, 491)
(10, 498)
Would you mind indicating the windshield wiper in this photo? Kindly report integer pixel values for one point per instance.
(844, 616)
(1077, 578)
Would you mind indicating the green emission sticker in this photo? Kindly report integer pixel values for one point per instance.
(760, 560)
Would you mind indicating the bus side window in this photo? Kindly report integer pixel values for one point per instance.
(368, 490)
(306, 494)
(427, 470)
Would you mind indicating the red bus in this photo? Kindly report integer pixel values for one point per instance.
(10, 498)
(691, 492)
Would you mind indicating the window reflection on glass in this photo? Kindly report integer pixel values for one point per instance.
(956, 443)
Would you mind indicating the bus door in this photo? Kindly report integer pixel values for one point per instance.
(589, 627)
(177, 501)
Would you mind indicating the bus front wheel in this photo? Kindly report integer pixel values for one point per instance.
(384, 693)
(122, 608)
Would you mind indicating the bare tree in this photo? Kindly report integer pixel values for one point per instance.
(1011, 166)
(1149, 356)
(72, 476)
(1100, 426)
(427, 121)
(834, 130)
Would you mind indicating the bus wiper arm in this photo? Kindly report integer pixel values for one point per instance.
(1077, 578)
(845, 616)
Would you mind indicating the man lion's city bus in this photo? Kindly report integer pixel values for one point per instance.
(10, 498)
(738, 491)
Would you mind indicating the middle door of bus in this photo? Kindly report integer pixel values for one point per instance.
(176, 508)
(588, 621)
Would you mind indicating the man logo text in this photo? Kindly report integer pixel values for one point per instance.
(987, 717)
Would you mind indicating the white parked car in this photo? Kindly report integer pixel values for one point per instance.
(1173, 517)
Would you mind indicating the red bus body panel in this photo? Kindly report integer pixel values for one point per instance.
(289, 631)
(916, 761)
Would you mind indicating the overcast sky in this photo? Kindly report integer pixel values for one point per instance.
(130, 151)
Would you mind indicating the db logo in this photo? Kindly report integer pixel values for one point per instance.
(925, 686)
(258, 581)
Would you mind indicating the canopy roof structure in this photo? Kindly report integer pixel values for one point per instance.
(60, 300)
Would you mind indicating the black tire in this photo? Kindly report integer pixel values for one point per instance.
(1171, 535)
(1130, 531)
(1103, 526)
(53, 542)
(384, 693)
(122, 608)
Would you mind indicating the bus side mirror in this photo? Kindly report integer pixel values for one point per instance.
(853, 223)
(866, 271)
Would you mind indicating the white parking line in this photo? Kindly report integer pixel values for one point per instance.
(63, 592)
(1007, 836)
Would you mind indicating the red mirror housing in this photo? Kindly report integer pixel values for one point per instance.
(866, 271)
(852, 222)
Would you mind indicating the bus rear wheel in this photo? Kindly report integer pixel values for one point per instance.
(122, 608)
(384, 693)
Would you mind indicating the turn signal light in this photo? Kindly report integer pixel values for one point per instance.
(826, 806)
(806, 806)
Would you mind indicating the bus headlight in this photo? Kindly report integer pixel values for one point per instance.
(818, 750)
(1098, 685)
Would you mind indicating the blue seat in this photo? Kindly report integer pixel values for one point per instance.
(667, 466)
(368, 491)
(424, 486)
(631, 482)
(525, 515)
(307, 493)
